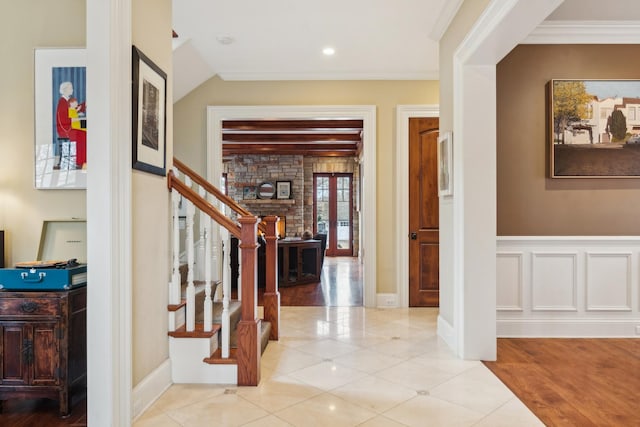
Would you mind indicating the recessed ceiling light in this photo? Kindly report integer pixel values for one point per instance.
(328, 51)
(225, 39)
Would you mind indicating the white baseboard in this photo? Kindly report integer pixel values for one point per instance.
(447, 332)
(151, 387)
(561, 328)
(386, 300)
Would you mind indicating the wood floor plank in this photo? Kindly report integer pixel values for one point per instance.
(573, 382)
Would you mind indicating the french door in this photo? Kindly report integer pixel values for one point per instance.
(333, 211)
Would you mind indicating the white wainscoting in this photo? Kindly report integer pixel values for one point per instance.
(568, 286)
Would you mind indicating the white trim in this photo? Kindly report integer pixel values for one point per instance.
(447, 332)
(109, 320)
(403, 114)
(151, 388)
(387, 301)
(497, 31)
(266, 76)
(519, 280)
(585, 32)
(568, 328)
(448, 12)
(215, 115)
(591, 256)
(572, 282)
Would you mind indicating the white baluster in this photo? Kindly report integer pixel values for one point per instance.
(208, 303)
(174, 286)
(226, 292)
(191, 291)
(200, 255)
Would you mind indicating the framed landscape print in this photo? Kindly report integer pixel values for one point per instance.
(594, 128)
(60, 150)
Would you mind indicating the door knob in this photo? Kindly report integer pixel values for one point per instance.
(414, 236)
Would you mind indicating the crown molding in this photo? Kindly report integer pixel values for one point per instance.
(274, 76)
(449, 11)
(585, 32)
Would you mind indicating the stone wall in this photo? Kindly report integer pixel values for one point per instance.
(252, 170)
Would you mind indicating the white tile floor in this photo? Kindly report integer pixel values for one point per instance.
(351, 366)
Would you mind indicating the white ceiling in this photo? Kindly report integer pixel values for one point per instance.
(283, 39)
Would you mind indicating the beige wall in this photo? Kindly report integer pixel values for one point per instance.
(151, 27)
(25, 26)
(530, 203)
(190, 131)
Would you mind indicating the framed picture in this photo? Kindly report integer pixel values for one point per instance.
(60, 87)
(266, 190)
(594, 128)
(283, 189)
(445, 164)
(249, 192)
(149, 115)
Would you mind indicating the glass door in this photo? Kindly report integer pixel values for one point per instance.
(333, 211)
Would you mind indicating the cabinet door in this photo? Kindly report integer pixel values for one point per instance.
(45, 354)
(14, 353)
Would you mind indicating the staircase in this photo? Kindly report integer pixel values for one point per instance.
(213, 339)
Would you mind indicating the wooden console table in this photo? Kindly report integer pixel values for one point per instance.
(299, 261)
(43, 345)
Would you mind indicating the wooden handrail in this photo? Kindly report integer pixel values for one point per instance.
(213, 190)
(202, 204)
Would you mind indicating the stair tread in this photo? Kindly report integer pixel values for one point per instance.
(199, 332)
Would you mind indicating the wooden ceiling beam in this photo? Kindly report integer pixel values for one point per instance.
(279, 148)
(291, 125)
(290, 138)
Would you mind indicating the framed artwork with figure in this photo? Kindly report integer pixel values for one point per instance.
(60, 150)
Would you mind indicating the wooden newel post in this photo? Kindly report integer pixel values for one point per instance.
(271, 294)
(248, 353)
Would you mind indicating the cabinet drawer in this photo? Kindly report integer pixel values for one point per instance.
(29, 307)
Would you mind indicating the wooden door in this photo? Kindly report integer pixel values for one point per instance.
(333, 211)
(424, 248)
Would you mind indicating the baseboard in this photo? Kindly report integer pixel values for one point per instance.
(447, 332)
(386, 300)
(558, 328)
(151, 387)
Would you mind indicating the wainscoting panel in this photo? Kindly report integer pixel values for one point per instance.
(509, 285)
(554, 281)
(608, 281)
(568, 286)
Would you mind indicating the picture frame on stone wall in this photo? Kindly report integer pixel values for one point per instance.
(283, 189)
(249, 192)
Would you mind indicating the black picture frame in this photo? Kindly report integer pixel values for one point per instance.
(149, 110)
(283, 189)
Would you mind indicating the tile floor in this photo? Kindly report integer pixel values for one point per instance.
(351, 366)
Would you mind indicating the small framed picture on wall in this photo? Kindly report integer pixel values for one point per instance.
(283, 189)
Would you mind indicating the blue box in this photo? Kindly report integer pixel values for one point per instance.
(43, 279)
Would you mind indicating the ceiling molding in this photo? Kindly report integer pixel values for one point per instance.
(449, 11)
(585, 32)
(275, 76)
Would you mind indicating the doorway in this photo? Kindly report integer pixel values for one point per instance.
(333, 211)
(424, 247)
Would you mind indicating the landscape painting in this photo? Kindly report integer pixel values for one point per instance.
(595, 128)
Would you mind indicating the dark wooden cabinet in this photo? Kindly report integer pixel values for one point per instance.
(43, 345)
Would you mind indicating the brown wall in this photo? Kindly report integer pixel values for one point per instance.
(530, 203)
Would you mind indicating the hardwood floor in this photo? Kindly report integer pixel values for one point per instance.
(573, 382)
(340, 286)
(42, 412)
